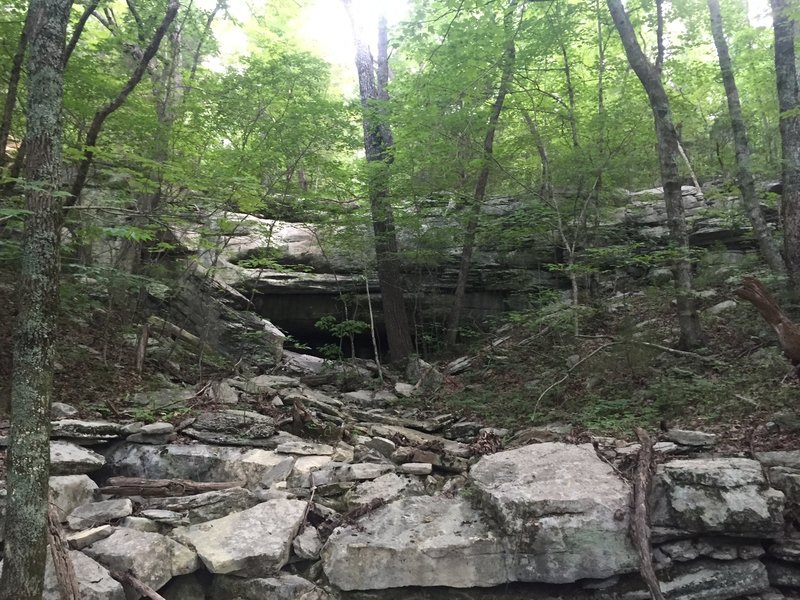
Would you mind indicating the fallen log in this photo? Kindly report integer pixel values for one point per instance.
(128, 580)
(68, 586)
(162, 488)
(787, 331)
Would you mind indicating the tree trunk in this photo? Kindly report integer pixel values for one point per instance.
(13, 84)
(744, 174)
(667, 136)
(37, 288)
(377, 142)
(785, 25)
(473, 218)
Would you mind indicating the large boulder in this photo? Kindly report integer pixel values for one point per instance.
(564, 512)
(421, 541)
(70, 459)
(252, 543)
(727, 496)
(199, 462)
(94, 580)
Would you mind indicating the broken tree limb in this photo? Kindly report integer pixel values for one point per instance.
(62, 563)
(641, 519)
(162, 488)
(787, 331)
(128, 580)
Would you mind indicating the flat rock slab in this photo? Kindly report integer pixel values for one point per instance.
(715, 495)
(255, 542)
(207, 506)
(86, 432)
(565, 512)
(94, 580)
(70, 459)
(150, 557)
(98, 513)
(282, 587)
(232, 427)
(199, 462)
(424, 541)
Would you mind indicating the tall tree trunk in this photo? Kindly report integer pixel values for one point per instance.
(37, 289)
(744, 174)
(106, 111)
(377, 143)
(785, 26)
(13, 84)
(473, 218)
(667, 137)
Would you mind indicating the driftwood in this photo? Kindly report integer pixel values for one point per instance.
(641, 519)
(787, 331)
(65, 573)
(128, 580)
(162, 488)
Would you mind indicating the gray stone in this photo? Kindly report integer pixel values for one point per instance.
(157, 439)
(574, 502)
(97, 513)
(780, 458)
(93, 579)
(681, 550)
(71, 459)
(140, 524)
(690, 438)
(157, 428)
(788, 550)
(387, 488)
(415, 469)
(264, 383)
(727, 496)
(438, 542)
(303, 469)
(86, 432)
(199, 462)
(224, 393)
(307, 544)
(71, 491)
(302, 364)
(338, 473)
(61, 410)
(418, 438)
(383, 446)
(304, 449)
(783, 574)
(255, 542)
(166, 517)
(721, 307)
(232, 427)
(343, 452)
(207, 506)
(150, 557)
(360, 397)
(87, 537)
(459, 365)
(404, 390)
(281, 587)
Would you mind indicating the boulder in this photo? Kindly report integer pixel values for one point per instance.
(86, 432)
(387, 488)
(207, 506)
(307, 544)
(71, 491)
(690, 438)
(564, 512)
(252, 543)
(727, 496)
(233, 428)
(98, 513)
(150, 557)
(199, 462)
(70, 459)
(420, 541)
(94, 580)
(281, 587)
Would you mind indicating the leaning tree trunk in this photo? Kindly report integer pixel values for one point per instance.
(37, 287)
(377, 142)
(785, 25)
(473, 218)
(667, 136)
(744, 173)
(13, 84)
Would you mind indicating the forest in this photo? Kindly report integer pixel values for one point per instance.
(472, 179)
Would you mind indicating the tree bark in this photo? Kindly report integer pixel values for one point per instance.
(13, 84)
(101, 115)
(744, 173)
(377, 144)
(785, 26)
(473, 218)
(641, 518)
(37, 288)
(667, 136)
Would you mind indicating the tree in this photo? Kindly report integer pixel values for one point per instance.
(32, 378)
(784, 27)
(667, 144)
(377, 146)
(744, 173)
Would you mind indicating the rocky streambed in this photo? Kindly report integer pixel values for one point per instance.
(393, 506)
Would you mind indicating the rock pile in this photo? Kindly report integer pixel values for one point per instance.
(232, 504)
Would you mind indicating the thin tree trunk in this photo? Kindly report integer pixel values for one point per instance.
(785, 26)
(37, 290)
(667, 136)
(102, 114)
(546, 187)
(377, 144)
(78, 31)
(13, 84)
(744, 173)
(473, 218)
